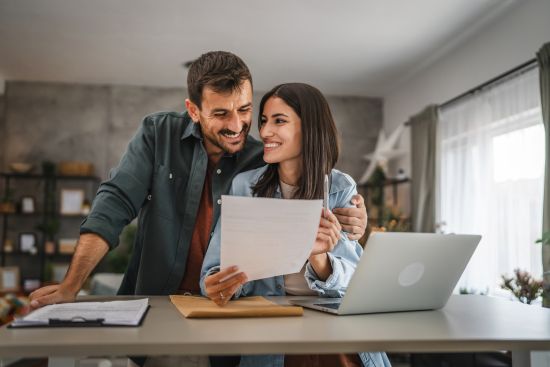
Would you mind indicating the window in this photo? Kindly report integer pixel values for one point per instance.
(490, 178)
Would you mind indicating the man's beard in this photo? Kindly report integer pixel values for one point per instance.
(225, 145)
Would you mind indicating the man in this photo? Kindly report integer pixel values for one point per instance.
(172, 175)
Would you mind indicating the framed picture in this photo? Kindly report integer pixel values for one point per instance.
(9, 279)
(71, 201)
(27, 205)
(67, 245)
(49, 247)
(27, 243)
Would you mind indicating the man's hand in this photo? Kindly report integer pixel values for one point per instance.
(353, 220)
(51, 294)
(221, 291)
(90, 250)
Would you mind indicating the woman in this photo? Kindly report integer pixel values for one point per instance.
(300, 147)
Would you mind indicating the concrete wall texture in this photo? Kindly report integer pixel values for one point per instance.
(56, 121)
(359, 121)
(2, 132)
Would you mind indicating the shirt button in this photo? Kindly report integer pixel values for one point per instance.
(218, 171)
(279, 287)
(149, 197)
(211, 234)
(219, 201)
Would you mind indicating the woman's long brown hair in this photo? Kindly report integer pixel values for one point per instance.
(320, 146)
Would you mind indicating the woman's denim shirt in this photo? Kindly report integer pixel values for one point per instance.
(343, 258)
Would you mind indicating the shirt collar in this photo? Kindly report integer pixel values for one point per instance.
(192, 129)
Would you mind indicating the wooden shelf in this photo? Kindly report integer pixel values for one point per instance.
(388, 182)
(20, 253)
(47, 199)
(29, 215)
(35, 176)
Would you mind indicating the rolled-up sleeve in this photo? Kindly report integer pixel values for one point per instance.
(120, 198)
(343, 258)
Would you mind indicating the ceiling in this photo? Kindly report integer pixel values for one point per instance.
(355, 47)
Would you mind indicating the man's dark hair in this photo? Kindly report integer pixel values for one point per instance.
(222, 71)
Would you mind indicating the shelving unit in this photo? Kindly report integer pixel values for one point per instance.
(46, 192)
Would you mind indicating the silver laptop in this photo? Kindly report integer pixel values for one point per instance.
(402, 272)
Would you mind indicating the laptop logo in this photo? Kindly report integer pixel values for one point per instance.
(411, 274)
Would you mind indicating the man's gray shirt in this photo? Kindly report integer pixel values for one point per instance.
(160, 178)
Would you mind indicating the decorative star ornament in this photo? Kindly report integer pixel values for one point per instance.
(383, 152)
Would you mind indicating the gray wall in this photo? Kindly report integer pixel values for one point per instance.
(359, 121)
(55, 121)
(2, 132)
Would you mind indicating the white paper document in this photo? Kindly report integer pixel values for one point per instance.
(121, 313)
(267, 237)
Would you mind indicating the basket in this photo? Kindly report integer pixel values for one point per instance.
(75, 168)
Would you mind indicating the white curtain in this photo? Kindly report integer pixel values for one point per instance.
(490, 170)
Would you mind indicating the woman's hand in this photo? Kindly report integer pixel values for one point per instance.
(328, 234)
(221, 291)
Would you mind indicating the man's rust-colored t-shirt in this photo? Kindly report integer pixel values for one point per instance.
(200, 238)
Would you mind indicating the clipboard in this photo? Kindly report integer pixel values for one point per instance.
(116, 313)
(77, 322)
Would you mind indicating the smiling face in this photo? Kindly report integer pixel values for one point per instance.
(281, 132)
(224, 118)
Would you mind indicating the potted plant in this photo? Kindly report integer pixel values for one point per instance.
(393, 220)
(7, 204)
(117, 260)
(523, 286)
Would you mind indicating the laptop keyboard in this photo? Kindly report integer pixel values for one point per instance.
(329, 305)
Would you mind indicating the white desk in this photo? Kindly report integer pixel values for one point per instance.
(467, 323)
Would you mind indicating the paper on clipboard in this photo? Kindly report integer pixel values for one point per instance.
(267, 237)
(112, 313)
